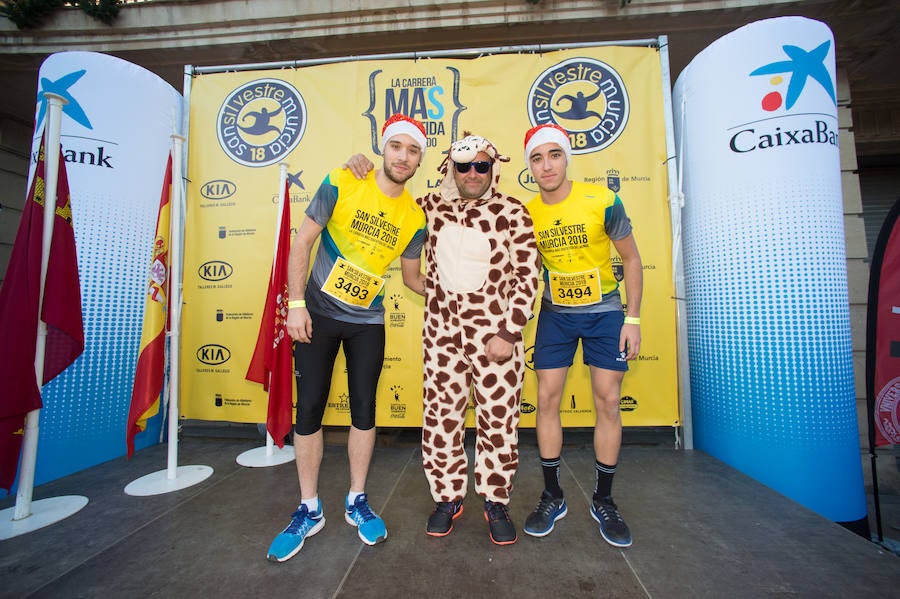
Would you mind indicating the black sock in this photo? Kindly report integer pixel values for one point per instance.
(603, 486)
(551, 476)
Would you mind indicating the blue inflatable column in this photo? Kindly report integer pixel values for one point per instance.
(765, 267)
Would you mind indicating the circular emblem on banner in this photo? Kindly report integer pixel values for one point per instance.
(887, 411)
(260, 122)
(584, 96)
(526, 180)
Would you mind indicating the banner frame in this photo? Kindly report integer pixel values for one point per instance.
(658, 42)
(684, 430)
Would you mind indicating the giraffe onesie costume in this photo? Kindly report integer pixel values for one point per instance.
(481, 280)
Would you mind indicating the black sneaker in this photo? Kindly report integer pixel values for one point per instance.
(612, 526)
(440, 522)
(502, 530)
(549, 509)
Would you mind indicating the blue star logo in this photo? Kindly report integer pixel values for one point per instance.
(801, 66)
(295, 179)
(61, 87)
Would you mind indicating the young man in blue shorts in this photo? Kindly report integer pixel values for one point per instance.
(364, 226)
(575, 224)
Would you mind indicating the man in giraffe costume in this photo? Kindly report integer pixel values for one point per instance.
(480, 284)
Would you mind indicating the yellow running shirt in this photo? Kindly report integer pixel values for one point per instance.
(574, 238)
(364, 232)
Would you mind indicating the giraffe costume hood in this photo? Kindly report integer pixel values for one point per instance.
(465, 150)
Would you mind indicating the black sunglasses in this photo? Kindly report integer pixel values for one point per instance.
(481, 167)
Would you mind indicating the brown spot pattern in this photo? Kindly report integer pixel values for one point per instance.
(456, 328)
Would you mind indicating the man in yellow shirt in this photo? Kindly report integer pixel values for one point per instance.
(364, 225)
(575, 224)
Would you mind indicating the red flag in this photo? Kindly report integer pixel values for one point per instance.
(148, 377)
(19, 311)
(271, 362)
(883, 334)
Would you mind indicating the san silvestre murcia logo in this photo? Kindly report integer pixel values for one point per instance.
(784, 122)
(261, 122)
(584, 96)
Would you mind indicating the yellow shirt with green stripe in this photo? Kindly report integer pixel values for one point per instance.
(575, 236)
(365, 227)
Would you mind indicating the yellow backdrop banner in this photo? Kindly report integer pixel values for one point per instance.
(244, 124)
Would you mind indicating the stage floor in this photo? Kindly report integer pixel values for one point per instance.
(701, 529)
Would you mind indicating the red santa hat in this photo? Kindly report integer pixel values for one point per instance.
(547, 133)
(400, 123)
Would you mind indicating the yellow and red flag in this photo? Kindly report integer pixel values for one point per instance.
(148, 377)
(272, 356)
(20, 311)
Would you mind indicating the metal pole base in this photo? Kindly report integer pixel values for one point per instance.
(261, 457)
(159, 482)
(43, 513)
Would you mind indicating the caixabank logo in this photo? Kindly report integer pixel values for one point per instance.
(584, 96)
(432, 98)
(795, 101)
(84, 149)
(261, 122)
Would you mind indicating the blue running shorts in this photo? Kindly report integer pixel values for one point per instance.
(558, 333)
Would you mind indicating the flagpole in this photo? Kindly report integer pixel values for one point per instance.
(28, 515)
(174, 477)
(270, 455)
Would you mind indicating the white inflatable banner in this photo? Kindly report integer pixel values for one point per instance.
(768, 311)
(116, 128)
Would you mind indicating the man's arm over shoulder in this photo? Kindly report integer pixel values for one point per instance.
(359, 165)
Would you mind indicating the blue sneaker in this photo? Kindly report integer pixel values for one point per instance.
(549, 509)
(290, 540)
(612, 526)
(369, 525)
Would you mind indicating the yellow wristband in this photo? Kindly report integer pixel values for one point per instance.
(296, 304)
(632, 320)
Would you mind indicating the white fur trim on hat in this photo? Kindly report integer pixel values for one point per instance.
(547, 133)
(400, 126)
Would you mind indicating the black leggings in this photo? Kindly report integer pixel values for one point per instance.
(314, 364)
